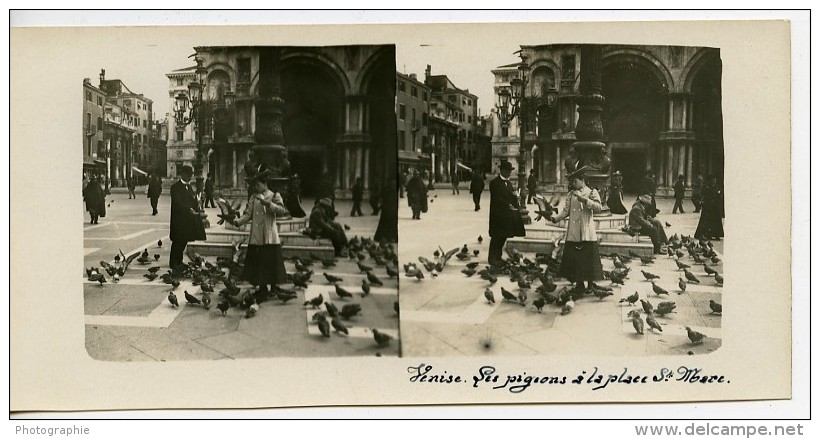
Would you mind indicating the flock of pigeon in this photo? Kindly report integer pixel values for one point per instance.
(359, 249)
(699, 251)
(536, 278)
(226, 272)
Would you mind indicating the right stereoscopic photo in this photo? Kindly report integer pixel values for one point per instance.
(580, 212)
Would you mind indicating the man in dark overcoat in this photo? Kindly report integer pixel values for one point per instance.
(505, 217)
(477, 188)
(186, 217)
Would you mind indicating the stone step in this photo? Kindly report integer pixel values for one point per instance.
(285, 225)
(532, 245)
(287, 238)
(322, 249)
(603, 222)
(610, 235)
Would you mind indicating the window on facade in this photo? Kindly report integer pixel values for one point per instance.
(99, 124)
(505, 131)
(414, 115)
(100, 101)
(179, 82)
(424, 118)
(179, 136)
(87, 120)
(401, 86)
(244, 65)
(424, 96)
(88, 96)
(452, 98)
(100, 148)
(402, 140)
(414, 91)
(402, 112)
(144, 124)
(469, 119)
(568, 66)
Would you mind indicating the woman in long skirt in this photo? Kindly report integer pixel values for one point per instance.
(94, 197)
(417, 195)
(264, 264)
(581, 260)
(615, 201)
(710, 225)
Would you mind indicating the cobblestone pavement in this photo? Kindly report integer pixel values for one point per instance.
(448, 315)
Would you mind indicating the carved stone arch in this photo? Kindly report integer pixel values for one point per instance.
(217, 83)
(541, 65)
(643, 59)
(701, 58)
(319, 60)
(371, 65)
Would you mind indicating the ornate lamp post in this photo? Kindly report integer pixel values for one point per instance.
(187, 109)
(511, 104)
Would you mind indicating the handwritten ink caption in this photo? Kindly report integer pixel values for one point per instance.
(489, 377)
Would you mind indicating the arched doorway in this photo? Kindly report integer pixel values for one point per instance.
(707, 118)
(310, 122)
(632, 117)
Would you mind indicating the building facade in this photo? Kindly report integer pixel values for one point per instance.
(412, 122)
(93, 126)
(337, 113)
(129, 123)
(453, 136)
(662, 112)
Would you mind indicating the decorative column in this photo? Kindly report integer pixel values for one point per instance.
(234, 180)
(269, 148)
(689, 159)
(589, 150)
(669, 164)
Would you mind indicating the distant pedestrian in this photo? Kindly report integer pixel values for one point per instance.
(321, 224)
(403, 178)
(505, 216)
(154, 191)
(454, 182)
(358, 193)
(94, 197)
(186, 216)
(680, 193)
(641, 222)
(581, 260)
(615, 200)
(129, 182)
(697, 194)
(375, 196)
(209, 192)
(477, 188)
(417, 194)
(710, 225)
(264, 263)
(532, 185)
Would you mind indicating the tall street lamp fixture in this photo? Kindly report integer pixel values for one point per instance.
(187, 109)
(512, 104)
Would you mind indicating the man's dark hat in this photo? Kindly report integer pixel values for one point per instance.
(186, 170)
(506, 165)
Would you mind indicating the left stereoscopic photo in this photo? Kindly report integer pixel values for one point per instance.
(241, 204)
